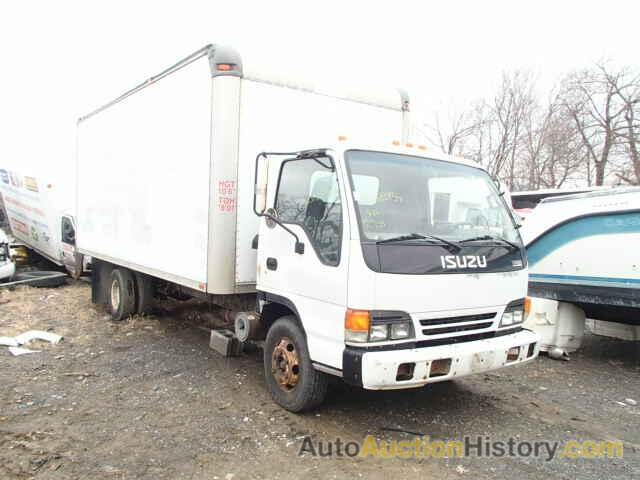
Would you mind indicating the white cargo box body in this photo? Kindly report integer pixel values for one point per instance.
(165, 173)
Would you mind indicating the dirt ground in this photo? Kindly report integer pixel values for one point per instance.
(146, 398)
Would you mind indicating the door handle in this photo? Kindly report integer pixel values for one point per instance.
(272, 263)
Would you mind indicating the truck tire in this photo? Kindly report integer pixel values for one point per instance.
(121, 294)
(144, 293)
(289, 374)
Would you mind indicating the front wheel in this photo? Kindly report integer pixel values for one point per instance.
(291, 379)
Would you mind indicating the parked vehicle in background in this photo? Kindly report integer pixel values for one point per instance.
(4, 220)
(582, 251)
(7, 267)
(365, 258)
(524, 202)
(38, 222)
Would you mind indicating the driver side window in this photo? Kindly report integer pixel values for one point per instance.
(308, 196)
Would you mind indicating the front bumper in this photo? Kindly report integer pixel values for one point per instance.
(378, 369)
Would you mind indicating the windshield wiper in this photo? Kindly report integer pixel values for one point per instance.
(410, 236)
(418, 236)
(491, 237)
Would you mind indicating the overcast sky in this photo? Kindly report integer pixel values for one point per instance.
(60, 59)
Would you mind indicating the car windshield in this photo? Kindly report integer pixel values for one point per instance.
(397, 195)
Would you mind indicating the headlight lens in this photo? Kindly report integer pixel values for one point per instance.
(513, 314)
(378, 333)
(362, 326)
(400, 330)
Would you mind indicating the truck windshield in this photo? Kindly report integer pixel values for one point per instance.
(402, 195)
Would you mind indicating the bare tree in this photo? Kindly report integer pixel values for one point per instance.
(452, 132)
(552, 152)
(587, 131)
(499, 126)
(590, 97)
(627, 88)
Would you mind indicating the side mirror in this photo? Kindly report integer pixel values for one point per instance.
(499, 186)
(260, 192)
(260, 196)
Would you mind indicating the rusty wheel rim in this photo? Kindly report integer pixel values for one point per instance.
(285, 364)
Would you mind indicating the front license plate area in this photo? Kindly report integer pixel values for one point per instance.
(482, 361)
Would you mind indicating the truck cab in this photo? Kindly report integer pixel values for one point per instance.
(389, 266)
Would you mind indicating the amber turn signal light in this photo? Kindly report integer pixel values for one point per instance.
(357, 319)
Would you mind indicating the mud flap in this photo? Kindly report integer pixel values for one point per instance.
(225, 343)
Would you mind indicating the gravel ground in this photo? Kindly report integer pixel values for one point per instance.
(146, 398)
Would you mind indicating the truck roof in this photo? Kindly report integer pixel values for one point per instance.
(394, 146)
(225, 61)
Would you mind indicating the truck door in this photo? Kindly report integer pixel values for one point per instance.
(305, 195)
(71, 259)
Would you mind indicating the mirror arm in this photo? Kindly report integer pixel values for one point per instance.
(331, 167)
(299, 247)
(255, 176)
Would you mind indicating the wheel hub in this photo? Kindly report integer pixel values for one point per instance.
(285, 364)
(115, 295)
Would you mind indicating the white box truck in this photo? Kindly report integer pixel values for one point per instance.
(218, 180)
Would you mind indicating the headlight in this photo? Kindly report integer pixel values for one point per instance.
(507, 319)
(362, 326)
(377, 333)
(401, 330)
(513, 314)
